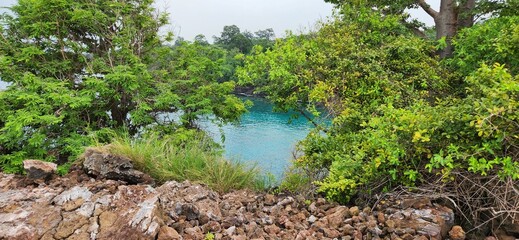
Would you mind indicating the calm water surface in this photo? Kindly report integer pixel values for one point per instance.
(262, 137)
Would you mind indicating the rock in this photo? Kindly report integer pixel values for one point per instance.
(193, 233)
(66, 208)
(312, 208)
(331, 233)
(189, 210)
(168, 233)
(354, 211)
(357, 235)
(77, 213)
(337, 217)
(432, 222)
(421, 237)
(457, 233)
(376, 231)
(230, 230)
(381, 218)
(289, 225)
(39, 170)
(70, 223)
(270, 199)
(272, 229)
(320, 201)
(407, 236)
(417, 203)
(286, 201)
(303, 235)
(239, 237)
(347, 229)
(390, 223)
(108, 166)
(135, 209)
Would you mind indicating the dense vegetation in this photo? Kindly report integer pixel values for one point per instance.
(401, 115)
(434, 114)
(77, 69)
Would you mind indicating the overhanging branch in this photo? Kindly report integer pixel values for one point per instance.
(427, 8)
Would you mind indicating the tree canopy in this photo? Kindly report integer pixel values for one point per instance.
(77, 68)
(451, 16)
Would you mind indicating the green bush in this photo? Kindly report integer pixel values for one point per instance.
(489, 42)
(186, 155)
(423, 142)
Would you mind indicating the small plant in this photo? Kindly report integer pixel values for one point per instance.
(209, 236)
(297, 180)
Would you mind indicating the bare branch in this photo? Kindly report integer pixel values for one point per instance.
(427, 8)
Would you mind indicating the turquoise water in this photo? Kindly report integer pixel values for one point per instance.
(262, 137)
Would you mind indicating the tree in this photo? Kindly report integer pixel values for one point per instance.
(77, 68)
(200, 38)
(232, 37)
(452, 15)
(264, 38)
(188, 76)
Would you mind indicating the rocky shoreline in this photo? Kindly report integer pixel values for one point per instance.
(83, 206)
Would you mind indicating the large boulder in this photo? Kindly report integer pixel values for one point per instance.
(39, 170)
(104, 165)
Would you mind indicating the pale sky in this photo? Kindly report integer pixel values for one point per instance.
(192, 17)
(208, 17)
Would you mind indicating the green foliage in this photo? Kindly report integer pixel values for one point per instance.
(76, 68)
(296, 181)
(209, 236)
(489, 42)
(406, 146)
(346, 67)
(398, 117)
(187, 76)
(232, 38)
(186, 155)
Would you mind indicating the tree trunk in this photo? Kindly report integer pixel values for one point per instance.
(446, 26)
(449, 19)
(465, 14)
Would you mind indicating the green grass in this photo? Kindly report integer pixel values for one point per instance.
(164, 159)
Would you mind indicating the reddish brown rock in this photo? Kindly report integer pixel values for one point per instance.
(168, 233)
(270, 199)
(381, 218)
(272, 229)
(354, 211)
(457, 233)
(331, 233)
